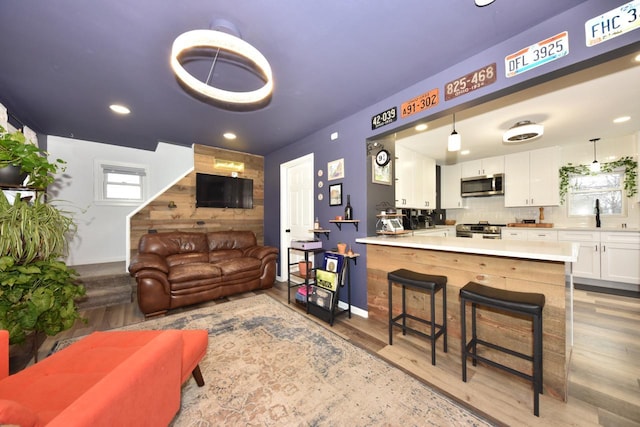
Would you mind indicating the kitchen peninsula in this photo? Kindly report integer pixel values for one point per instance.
(523, 266)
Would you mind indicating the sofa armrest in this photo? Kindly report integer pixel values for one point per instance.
(143, 390)
(260, 252)
(151, 261)
(4, 354)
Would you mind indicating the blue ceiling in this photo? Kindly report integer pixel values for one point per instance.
(64, 61)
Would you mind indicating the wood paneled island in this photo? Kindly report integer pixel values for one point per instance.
(514, 265)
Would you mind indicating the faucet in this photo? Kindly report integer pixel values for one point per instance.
(598, 213)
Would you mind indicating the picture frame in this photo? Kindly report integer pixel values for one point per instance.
(335, 169)
(381, 174)
(335, 195)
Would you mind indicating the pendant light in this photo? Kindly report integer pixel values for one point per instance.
(595, 166)
(455, 141)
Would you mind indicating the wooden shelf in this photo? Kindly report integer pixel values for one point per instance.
(394, 233)
(339, 222)
(318, 231)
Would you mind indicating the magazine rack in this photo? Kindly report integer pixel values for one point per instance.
(323, 294)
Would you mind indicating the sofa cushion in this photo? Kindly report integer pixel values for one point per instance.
(231, 240)
(190, 258)
(166, 244)
(13, 413)
(234, 266)
(188, 272)
(222, 254)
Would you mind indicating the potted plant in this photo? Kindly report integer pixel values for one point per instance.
(28, 159)
(37, 290)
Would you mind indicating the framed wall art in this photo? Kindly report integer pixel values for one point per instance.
(380, 174)
(335, 169)
(335, 195)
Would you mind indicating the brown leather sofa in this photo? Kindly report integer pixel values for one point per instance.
(176, 269)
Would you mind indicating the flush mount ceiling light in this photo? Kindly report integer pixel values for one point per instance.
(455, 140)
(523, 131)
(219, 40)
(120, 109)
(594, 166)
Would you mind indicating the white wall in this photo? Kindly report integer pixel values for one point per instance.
(101, 235)
(492, 208)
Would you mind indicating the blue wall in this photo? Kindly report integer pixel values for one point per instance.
(356, 129)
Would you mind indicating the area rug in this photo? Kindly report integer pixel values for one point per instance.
(268, 365)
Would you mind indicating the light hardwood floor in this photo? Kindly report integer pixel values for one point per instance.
(604, 377)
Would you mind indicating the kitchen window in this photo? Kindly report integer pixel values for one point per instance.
(119, 184)
(607, 187)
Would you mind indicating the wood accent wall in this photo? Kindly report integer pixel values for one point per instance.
(157, 215)
(545, 277)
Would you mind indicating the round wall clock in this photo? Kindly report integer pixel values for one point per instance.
(382, 158)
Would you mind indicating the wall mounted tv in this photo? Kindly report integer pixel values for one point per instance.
(217, 191)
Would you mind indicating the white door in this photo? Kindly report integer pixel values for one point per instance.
(296, 206)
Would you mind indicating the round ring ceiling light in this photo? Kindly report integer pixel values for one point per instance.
(523, 131)
(220, 40)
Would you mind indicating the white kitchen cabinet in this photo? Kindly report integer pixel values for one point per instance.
(450, 187)
(535, 234)
(512, 233)
(415, 184)
(405, 166)
(620, 257)
(487, 166)
(609, 256)
(440, 232)
(532, 178)
(542, 235)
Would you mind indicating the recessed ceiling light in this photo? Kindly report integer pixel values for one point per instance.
(637, 58)
(421, 127)
(229, 135)
(621, 119)
(120, 109)
(465, 152)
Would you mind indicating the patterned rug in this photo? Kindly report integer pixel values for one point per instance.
(268, 365)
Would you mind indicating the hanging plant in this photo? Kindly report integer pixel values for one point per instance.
(630, 175)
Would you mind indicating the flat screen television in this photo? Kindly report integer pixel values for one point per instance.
(217, 191)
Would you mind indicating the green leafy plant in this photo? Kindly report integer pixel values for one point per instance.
(15, 151)
(37, 290)
(630, 175)
(37, 297)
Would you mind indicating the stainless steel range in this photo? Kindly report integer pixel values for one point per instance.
(482, 230)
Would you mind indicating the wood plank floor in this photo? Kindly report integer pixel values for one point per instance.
(604, 377)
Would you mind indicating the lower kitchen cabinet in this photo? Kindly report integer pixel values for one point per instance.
(532, 234)
(607, 255)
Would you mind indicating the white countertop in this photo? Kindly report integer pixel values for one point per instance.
(545, 251)
(578, 228)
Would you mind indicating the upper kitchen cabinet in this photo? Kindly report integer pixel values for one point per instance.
(488, 166)
(415, 179)
(450, 187)
(532, 178)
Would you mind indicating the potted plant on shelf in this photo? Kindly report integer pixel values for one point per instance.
(37, 290)
(19, 159)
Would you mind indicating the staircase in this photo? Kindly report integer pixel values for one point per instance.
(106, 284)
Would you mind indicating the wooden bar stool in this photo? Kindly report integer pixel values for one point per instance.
(519, 303)
(421, 282)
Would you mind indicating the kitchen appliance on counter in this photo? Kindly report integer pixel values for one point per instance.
(482, 186)
(482, 230)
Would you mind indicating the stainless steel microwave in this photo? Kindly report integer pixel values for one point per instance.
(482, 186)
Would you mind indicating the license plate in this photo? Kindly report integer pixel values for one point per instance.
(612, 23)
(537, 54)
(420, 103)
